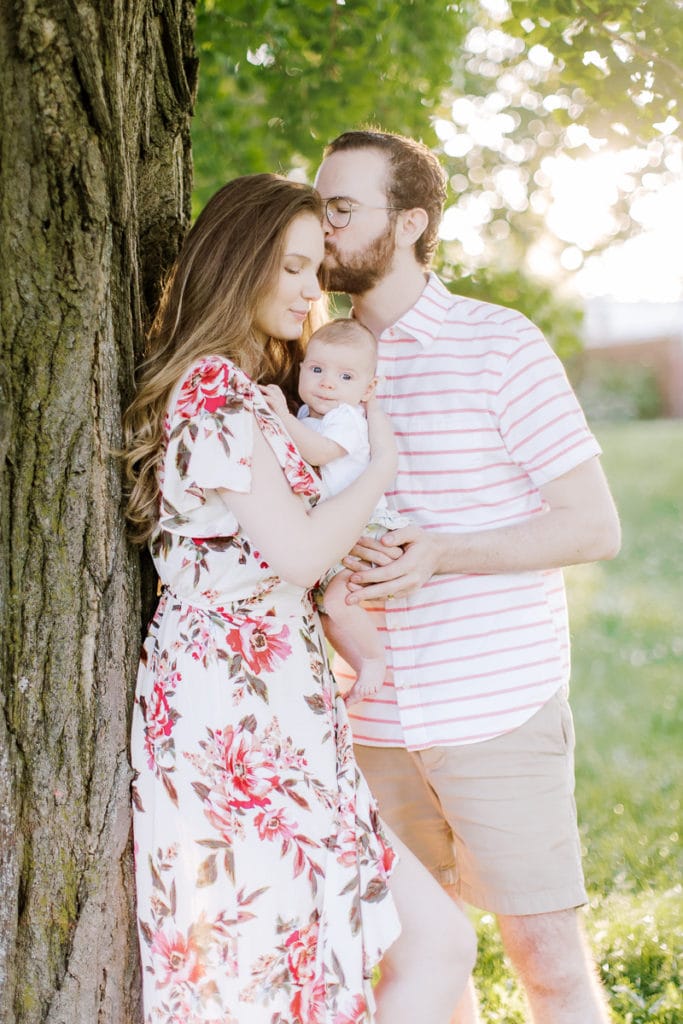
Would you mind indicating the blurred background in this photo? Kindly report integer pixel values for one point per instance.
(559, 126)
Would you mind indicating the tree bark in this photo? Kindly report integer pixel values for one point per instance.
(95, 174)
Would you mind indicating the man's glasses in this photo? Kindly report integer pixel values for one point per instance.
(339, 209)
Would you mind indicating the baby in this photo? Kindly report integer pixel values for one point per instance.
(330, 431)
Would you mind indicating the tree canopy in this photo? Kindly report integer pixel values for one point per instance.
(627, 58)
(281, 78)
(501, 90)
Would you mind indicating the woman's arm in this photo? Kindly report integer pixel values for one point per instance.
(299, 545)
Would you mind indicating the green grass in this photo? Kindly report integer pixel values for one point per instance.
(627, 695)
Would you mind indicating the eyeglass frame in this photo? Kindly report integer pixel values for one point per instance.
(354, 205)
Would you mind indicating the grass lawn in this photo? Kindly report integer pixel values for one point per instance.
(627, 696)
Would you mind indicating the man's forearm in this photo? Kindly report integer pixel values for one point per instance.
(579, 523)
(550, 540)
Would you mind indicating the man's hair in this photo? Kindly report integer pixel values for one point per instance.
(417, 179)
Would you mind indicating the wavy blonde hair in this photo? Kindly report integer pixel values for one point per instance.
(228, 263)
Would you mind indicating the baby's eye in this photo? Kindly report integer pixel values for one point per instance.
(346, 376)
(316, 369)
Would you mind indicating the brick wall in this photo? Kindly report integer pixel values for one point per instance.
(663, 357)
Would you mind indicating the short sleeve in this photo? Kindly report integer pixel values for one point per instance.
(539, 416)
(348, 427)
(210, 432)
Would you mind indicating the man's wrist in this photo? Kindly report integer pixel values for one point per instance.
(448, 553)
(440, 551)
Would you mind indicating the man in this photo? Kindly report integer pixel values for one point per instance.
(469, 744)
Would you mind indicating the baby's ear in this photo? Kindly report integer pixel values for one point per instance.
(370, 390)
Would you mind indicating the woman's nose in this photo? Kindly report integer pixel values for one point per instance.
(312, 290)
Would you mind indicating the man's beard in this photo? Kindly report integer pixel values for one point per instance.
(358, 273)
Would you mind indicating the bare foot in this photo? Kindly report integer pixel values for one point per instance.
(370, 680)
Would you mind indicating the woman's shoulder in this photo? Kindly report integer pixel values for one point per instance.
(206, 384)
(215, 366)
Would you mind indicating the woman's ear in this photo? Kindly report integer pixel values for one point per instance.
(410, 224)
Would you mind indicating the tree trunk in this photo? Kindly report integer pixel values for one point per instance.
(95, 170)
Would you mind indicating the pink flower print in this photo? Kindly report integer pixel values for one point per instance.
(227, 947)
(159, 720)
(205, 388)
(328, 698)
(251, 769)
(179, 959)
(300, 478)
(260, 644)
(347, 846)
(302, 948)
(219, 808)
(183, 1013)
(200, 643)
(355, 1014)
(347, 851)
(262, 563)
(387, 856)
(274, 824)
(308, 1004)
(238, 694)
(345, 759)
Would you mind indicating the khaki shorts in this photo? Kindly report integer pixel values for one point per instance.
(496, 819)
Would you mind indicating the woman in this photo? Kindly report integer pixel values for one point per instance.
(262, 869)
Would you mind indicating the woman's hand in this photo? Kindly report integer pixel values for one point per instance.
(383, 451)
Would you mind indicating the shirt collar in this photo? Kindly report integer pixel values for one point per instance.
(424, 320)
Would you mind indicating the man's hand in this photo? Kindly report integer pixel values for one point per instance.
(401, 562)
(577, 522)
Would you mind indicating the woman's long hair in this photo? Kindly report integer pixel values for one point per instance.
(227, 264)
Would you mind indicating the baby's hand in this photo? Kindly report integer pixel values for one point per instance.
(275, 399)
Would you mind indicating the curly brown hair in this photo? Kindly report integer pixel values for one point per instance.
(417, 179)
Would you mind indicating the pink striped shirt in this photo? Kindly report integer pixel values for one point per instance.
(484, 416)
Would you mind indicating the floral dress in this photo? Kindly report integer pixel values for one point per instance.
(261, 867)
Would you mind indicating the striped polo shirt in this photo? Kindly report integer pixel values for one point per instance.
(484, 416)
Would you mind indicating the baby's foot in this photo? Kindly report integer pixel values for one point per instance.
(370, 680)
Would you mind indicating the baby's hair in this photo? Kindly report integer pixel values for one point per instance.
(346, 329)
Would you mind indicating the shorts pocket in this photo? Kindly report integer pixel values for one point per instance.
(567, 721)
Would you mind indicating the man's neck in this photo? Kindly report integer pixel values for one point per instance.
(393, 296)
